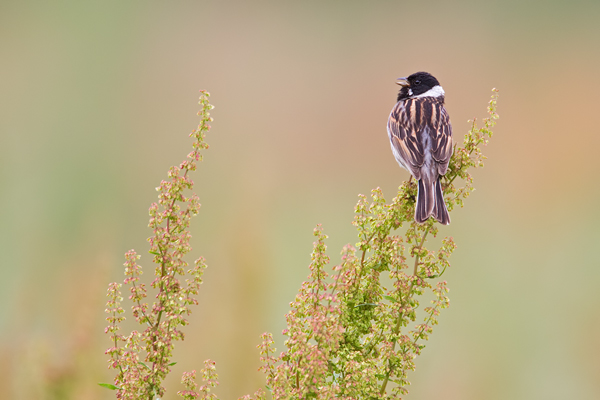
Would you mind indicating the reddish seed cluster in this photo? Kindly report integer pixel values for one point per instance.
(209, 376)
(143, 359)
(189, 381)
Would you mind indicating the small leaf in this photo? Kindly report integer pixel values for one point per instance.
(390, 298)
(141, 363)
(171, 364)
(109, 386)
(156, 253)
(365, 304)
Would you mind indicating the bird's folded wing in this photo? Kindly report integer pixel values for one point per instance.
(442, 143)
(405, 140)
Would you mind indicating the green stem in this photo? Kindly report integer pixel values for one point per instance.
(418, 250)
(356, 281)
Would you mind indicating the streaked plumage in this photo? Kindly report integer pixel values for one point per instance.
(421, 139)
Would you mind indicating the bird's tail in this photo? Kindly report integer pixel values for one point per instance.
(430, 202)
(440, 212)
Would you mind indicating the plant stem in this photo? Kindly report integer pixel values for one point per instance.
(162, 289)
(419, 249)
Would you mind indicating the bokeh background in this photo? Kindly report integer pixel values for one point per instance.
(97, 99)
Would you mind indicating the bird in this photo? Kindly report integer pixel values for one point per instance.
(420, 135)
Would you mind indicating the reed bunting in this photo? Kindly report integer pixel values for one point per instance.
(421, 138)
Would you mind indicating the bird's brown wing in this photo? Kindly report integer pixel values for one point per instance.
(404, 137)
(442, 142)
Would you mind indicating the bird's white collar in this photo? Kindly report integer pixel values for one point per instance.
(435, 91)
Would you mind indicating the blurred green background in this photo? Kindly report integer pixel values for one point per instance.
(97, 99)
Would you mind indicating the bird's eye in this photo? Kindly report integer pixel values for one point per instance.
(417, 82)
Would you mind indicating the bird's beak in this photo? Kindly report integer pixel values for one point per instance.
(402, 82)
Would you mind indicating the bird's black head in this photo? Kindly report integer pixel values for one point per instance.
(416, 84)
